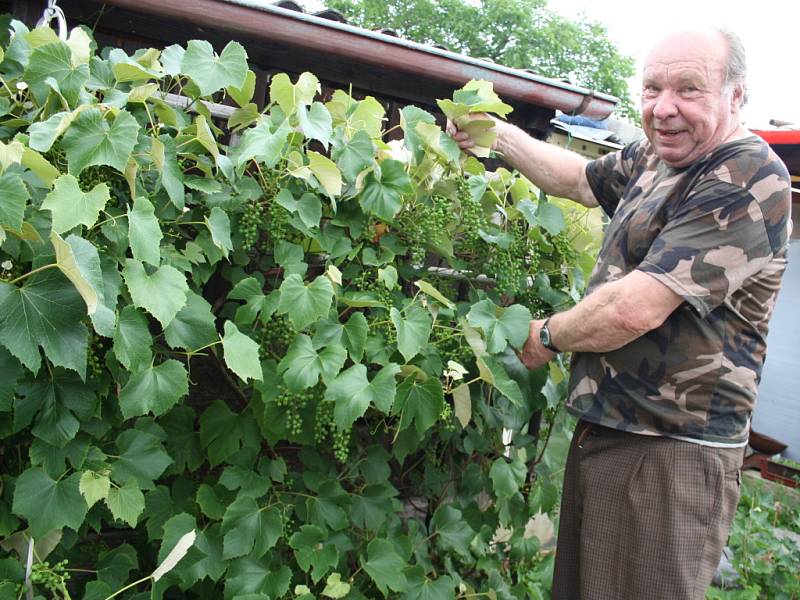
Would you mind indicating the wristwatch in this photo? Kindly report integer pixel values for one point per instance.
(546, 338)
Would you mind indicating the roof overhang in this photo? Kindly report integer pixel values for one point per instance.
(269, 23)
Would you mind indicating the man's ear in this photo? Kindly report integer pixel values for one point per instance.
(738, 96)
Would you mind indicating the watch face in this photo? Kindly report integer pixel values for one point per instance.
(544, 336)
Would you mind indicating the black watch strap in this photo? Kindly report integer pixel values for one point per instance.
(546, 337)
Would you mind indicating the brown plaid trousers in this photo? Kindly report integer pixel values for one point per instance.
(642, 517)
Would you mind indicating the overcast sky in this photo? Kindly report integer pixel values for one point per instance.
(770, 30)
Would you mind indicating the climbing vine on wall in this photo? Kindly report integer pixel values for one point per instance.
(278, 333)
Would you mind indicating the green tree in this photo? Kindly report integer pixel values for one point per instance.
(524, 34)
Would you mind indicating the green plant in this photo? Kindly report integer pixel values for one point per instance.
(285, 335)
(765, 560)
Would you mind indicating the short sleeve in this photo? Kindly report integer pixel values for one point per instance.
(609, 175)
(714, 242)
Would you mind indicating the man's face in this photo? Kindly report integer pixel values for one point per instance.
(687, 110)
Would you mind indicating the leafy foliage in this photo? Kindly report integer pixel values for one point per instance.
(275, 372)
(525, 34)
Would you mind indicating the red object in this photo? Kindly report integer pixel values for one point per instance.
(778, 136)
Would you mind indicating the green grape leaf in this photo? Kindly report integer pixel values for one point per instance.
(355, 335)
(249, 528)
(132, 340)
(40, 166)
(550, 217)
(14, 195)
(243, 94)
(353, 393)
(326, 172)
(289, 96)
(305, 304)
(335, 587)
(219, 225)
(500, 325)
(478, 96)
(220, 432)
(316, 123)
(422, 588)
(92, 140)
(193, 327)
(54, 62)
(144, 232)
(71, 207)
(431, 291)
(46, 312)
(176, 551)
(462, 404)
(94, 487)
(249, 290)
(241, 353)
(139, 455)
(154, 389)
(441, 144)
(385, 566)
(383, 189)
(309, 208)
(263, 144)
(413, 331)
(420, 403)
(495, 374)
(79, 261)
(126, 503)
(355, 155)
(171, 59)
(48, 504)
(209, 502)
(162, 294)
(507, 477)
(302, 365)
(453, 532)
(312, 552)
(183, 439)
(205, 138)
(60, 401)
(410, 118)
(212, 72)
(247, 575)
(366, 114)
(11, 369)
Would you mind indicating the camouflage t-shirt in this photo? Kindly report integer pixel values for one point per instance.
(716, 234)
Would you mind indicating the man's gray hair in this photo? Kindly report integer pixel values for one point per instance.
(736, 65)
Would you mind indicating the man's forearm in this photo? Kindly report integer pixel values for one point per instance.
(555, 170)
(614, 315)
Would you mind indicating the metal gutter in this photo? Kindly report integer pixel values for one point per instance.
(303, 31)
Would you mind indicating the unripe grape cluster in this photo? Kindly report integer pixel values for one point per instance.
(472, 218)
(325, 428)
(276, 336)
(294, 403)
(446, 418)
(368, 281)
(52, 578)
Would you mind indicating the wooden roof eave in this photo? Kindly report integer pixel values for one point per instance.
(272, 24)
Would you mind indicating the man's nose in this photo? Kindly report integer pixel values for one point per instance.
(665, 105)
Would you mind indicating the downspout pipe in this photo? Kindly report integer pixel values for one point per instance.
(261, 21)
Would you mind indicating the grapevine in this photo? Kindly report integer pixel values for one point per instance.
(151, 394)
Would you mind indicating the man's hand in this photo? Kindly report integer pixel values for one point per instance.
(533, 354)
(463, 138)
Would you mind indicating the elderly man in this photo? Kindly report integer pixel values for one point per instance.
(669, 342)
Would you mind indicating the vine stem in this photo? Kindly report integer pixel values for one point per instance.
(29, 273)
(127, 587)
